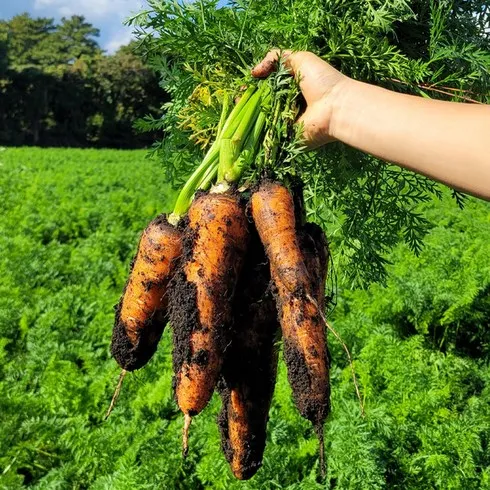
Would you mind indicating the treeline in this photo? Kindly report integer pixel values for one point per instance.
(58, 88)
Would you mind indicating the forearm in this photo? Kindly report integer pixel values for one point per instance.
(446, 141)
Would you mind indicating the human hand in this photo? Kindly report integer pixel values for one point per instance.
(319, 83)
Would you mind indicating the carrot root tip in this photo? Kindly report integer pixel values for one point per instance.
(116, 394)
(321, 450)
(185, 435)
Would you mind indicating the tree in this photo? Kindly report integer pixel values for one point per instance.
(3, 48)
(25, 36)
(127, 90)
(60, 89)
(43, 43)
(72, 39)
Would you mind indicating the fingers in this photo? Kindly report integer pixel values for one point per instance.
(315, 78)
(315, 125)
(308, 138)
(295, 61)
(269, 63)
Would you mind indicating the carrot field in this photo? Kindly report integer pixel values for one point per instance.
(69, 225)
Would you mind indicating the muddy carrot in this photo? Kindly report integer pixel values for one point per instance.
(141, 314)
(302, 327)
(314, 247)
(215, 242)
(249, 370)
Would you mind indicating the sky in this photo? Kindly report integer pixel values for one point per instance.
(106, 15)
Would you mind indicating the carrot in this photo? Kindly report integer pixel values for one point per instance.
(316, 253)
(302, 326)
(314, 246)
(200, 310)
(141, 314)
(249, 369)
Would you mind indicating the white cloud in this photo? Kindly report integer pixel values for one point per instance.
(91, 9)
(108, 15)
(118, 39)
(65, 12)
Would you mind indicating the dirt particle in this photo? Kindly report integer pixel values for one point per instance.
(201, 358)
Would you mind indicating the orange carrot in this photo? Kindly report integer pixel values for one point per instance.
(249, 369)
(303, 329)
(142, 311)
(214, 247)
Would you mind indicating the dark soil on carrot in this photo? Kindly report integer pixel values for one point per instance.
(183, 308)
(322, 256)
(321, 247)
(316, 259)
(314, 247)
(250, 361)
(126, 354)
(132, 357)
(299, 379)
(184, 317)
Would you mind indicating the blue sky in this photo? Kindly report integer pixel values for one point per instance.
(106, 15)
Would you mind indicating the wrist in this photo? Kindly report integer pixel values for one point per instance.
(341, 122)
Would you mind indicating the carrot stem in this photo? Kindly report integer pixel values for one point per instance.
(209, 177)
(249, 151)
(224, 114)
(228, 153)
(228, 128)
(185, 197)
(230, 148)
(195, 180)
(236, 155)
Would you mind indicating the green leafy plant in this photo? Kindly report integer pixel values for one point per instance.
(71, 222)
(208, 48)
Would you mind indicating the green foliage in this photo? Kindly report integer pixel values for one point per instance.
(25, 37)
(433, 48)
(70, 222)
(72, 39)
(444, 293)
(3, 49)
(57, 88)
(41, 42)
(128, 90)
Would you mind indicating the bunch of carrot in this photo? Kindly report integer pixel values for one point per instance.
(232, 270)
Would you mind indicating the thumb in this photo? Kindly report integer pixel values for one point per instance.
(269, 63)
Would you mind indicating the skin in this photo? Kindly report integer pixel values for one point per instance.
(145, 292)
(221, 239)
(446, 141)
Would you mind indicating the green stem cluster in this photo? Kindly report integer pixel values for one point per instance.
(238, 140)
